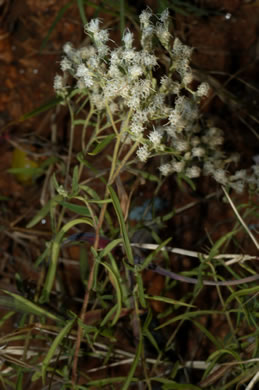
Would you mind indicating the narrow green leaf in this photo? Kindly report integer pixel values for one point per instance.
(244, 292)
(77, 209)
(116, 283)
(150, 257)
(141, 291)
(80, 4)
(145, 175)
(63, 333)
(134, 366)
(110, 247)
(101, 145)
(215, 249)
(188, 315)
(168, 300)
(42, 108)
(22, 304)
(75, 180)
(116, 205)
(53, 25)
(43, 212)
(218, 344)
(54, 257)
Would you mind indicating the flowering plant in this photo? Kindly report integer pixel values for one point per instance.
(158, 113)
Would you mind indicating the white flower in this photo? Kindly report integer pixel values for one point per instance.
(83, 71)
(174, 117)
(193, 172)
(165, 169)
(220, 176)
(127, 39)
(178, 166)
(203, 90)
(187, 78)
(177, 47)
(148, 59)
(181, 145)
(239, 175)
(164, 17)
(65, 64)
(58, 83)
(238, 186)
(92, 26)
(135, 71)
(143, 153)
(163, 34)
(128, 55)
(198, 152)
(137, 128)
(145, 17)
(68, 48)
(155, 138)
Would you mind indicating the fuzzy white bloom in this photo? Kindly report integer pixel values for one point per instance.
(145, 88)
(145, 17)
(128, 39)
(203, 90)
(181, 145)
(187, 156)
(174, 117)
(155, 137)
(58, 83)
(187, 78)
(68, 48)
(220, 176)
(198, 152)
(92, 26)
(82, 70)
(165, 169)
(164, 17)
(178, 166)
(87, 52)
(137, 128)
(208, 167)
(125, 78)
(177, 47)
(135, 71)
(239, 175)
(163, 34)
(148, 60)
(98, 101)
(65, 64)
(238, 186)
(143, 153)
(85, 74)
(133, 102)
(94, 62)
(128, 55)
(171, 131)
(193, 172)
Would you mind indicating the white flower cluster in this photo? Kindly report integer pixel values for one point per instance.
(162, 111)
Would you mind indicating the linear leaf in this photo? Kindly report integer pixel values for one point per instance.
(124, 233)
(64, 332)
(22, 304)
(54, 257)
